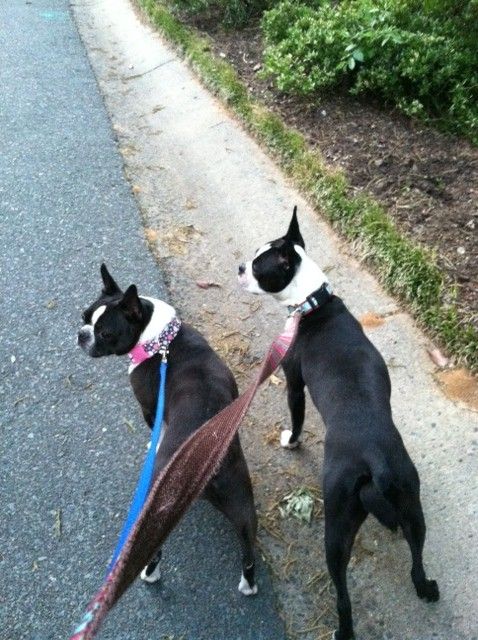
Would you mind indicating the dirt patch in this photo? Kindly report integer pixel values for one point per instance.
(427, 181)
(371, 320)
(459, 385)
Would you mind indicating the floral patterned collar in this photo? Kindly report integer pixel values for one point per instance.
(144, 350)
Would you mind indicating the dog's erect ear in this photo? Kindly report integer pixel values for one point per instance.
(131, 304)
(110, 288)
(293, 233)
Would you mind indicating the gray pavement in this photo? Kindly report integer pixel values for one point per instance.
(72, 438)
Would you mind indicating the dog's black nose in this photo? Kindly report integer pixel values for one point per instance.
(242, 269)
(83, 336)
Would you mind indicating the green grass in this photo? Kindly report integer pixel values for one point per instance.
(407, 270)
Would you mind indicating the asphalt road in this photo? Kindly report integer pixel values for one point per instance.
(72, 438)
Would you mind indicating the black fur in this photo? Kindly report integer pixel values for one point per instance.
(198, 386)
(366, 468)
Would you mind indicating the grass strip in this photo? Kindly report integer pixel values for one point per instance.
(408, 271)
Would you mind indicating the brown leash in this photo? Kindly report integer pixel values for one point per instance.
(179, 484)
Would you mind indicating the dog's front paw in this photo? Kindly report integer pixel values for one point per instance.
(245, 588)
(151, 573)
(338, 636)
(285, 437)
(429, 591)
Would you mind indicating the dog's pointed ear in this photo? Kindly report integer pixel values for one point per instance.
(110, 288)
(293, 232)
(131, 304)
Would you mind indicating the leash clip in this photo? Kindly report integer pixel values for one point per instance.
(164, 354)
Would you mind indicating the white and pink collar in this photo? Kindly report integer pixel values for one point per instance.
(161, 330)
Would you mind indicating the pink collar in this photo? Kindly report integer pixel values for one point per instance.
(144, 350)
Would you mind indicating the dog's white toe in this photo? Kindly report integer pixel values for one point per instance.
(285, 437)
(152, 577)
(245, 588)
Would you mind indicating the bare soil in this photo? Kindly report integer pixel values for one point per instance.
(428, 181)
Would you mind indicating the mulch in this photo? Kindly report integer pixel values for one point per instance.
(427, 180)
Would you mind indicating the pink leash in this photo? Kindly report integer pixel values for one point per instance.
(179, 484)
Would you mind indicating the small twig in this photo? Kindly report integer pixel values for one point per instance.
(143, 73)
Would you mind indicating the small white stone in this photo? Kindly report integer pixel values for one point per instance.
(13, 359)
(461, 250)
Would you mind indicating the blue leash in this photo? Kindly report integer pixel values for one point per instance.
(146, 476)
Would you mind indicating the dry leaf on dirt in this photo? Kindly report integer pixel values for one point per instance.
(176, 240)
(298, 504)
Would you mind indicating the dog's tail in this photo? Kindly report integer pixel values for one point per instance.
(379, 496)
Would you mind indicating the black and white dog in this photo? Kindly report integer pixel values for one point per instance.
(198, 385)
(366, 468)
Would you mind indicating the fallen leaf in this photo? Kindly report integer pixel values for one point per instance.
(151, 235)
(176, 240)
(135, 188)
(438, 358)
(130, 425)
(51, 304)
(275, 380)
(298, 504)
(127, 151)
(190, 204)
(204, 284)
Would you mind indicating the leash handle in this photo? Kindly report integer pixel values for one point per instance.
(146, 475)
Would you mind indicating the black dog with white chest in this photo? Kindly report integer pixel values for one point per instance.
(198, 386)
(366, 468)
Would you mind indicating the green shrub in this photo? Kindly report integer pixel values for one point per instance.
(422, 56)
(231, 13)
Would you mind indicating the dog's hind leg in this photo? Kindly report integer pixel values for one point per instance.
(413, 525)
(343, 517)
(234, 498)
(296, 400)
(152, 572)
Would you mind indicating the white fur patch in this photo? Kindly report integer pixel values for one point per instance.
(87, 329)
(308, 278)
(285, 437)
(153, 577)
(98, 312)
(245, 588)
(163, 313)
(247, 280)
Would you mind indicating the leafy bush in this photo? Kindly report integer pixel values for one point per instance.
(422, 56)
(232, 13)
